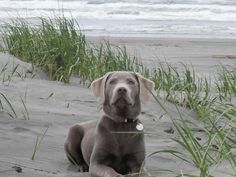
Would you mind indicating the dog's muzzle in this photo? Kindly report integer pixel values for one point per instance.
(121, 96)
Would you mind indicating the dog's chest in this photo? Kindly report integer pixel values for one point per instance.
(121, 137)
(127, 137)
(128, 142)
(122, 144)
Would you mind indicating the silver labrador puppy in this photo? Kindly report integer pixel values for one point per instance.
(108, 148)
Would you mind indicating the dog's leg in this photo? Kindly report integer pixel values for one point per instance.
(98, 170)
(136, 163)
(73, 147)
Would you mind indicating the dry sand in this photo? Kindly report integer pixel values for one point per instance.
(203, 53)
(58, 106)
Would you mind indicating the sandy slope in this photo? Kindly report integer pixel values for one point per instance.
(74, 103)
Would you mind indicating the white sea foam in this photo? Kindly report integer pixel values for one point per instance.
(146, 16)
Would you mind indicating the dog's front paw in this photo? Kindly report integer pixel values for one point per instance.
(83, 168)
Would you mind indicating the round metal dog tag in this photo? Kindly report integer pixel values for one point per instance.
(139, 126)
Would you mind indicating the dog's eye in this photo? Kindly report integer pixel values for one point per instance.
(131, 82)
(112, 82)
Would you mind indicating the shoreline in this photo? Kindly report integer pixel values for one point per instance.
(189, 28)
(162, 37)
(157, 36)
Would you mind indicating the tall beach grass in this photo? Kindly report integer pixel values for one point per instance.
(58, 46)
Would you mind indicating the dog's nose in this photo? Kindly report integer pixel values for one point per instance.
(121, 90)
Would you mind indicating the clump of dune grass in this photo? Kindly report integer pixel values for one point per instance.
(218, 146)
(58, 46)
(226, 83)
(210, 105)
(53, 45)
(183, 88)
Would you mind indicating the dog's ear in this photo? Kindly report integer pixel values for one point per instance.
(98, 87)
(146, 86)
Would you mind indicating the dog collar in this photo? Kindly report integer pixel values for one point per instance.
(139, 125)
(127, 120)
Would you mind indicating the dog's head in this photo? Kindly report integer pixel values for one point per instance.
(121, 92)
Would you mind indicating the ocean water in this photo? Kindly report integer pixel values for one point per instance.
(198, 18)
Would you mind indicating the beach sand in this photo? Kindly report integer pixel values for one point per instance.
(57, 106)
(205, 54)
